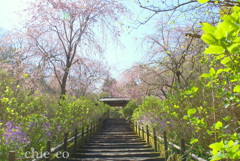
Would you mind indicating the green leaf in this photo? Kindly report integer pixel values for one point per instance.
(236, 155)
(226, 69)
(214, 152)
(230, 143)
(207, 28)
(214, 50)
(235, 147)
(219, 71)
(229, 18)
(5, 100)
(191, 111)
(194, 89)
(218, 125)
(220, 33)
(212, 71)
(25, 75)
(230, 26)
(193, 141)
(237, 39)
(218, 157)
(185, 117)
(233, 47)
(224, 29)
(225, 60)
(209, 39)
(236, 89)
(217, 146)
(205, 75)
(203, 1)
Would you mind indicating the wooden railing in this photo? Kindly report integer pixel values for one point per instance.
(145, 133)
(79, 138)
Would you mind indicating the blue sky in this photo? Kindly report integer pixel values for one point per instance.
(8, 9)
(118, 58)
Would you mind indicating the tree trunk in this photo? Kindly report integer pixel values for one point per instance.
(64, 83)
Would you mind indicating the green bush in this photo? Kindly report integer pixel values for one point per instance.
(128, 109)
(206, 113)
(28, 121)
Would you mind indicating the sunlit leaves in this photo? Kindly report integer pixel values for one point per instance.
(216, 147)
(209, 39)
(191, 111)
(225, 149)
(217, 35)
(223, 47)
(226, 29)
(207, 28)
(233, 47)
(194, 141)
(205, 75)
(225, 60)
(236, 89)
(214, 50)
(191, 90)
(25, 75)
(41, 119)
(4, 100)
(203, 1)
(218, 125)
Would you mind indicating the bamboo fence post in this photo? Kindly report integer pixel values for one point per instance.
(139, 131)
(183, 150)
(165, 145)
(147, 131)
(12, 156)
(48, 150)
(82, 135)
(87, 135)
(136, 126)
(155, 139)
(75, 139)
(143, 132)
(90, 130)
(65, 141)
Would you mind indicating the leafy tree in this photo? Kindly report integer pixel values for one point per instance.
(206, 111)
(128, 109)
(223, 47)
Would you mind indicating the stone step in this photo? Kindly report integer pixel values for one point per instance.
(114, 154)
(146, 149)
(115, 135)
(119, 140)
(118, 144)
(116, 141)
(118, 159)
(120, 132)
(115, 146)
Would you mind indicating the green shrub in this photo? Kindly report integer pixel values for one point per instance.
(128, 109)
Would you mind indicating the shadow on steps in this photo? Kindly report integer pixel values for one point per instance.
(116, 141)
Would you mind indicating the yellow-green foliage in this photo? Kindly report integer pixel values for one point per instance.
(29, 121)
(206, 113)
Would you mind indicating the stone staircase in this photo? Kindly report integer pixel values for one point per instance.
(116, 141)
